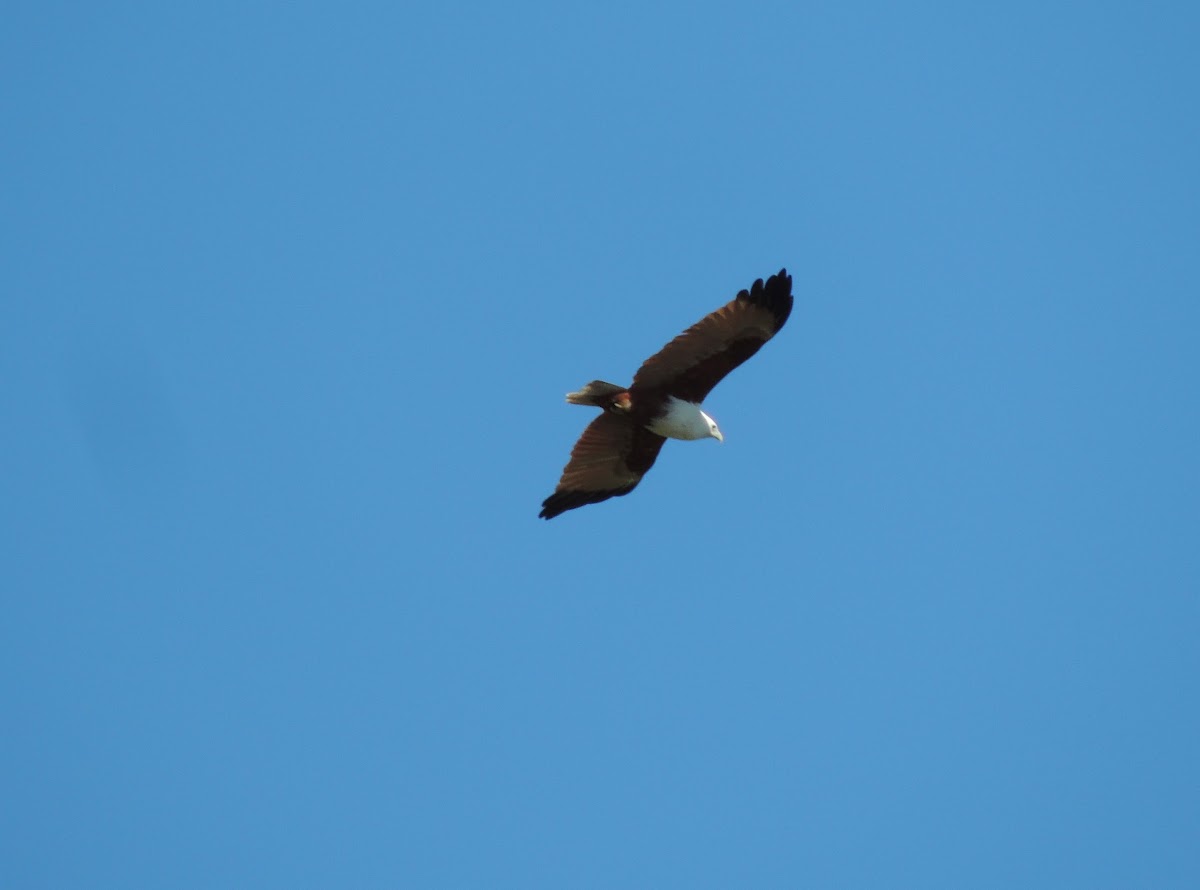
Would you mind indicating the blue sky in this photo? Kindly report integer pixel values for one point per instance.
(292, 294)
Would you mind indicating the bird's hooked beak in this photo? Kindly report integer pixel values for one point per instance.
(717, 435)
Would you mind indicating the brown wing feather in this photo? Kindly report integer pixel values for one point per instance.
(698, 359)
(608, 461)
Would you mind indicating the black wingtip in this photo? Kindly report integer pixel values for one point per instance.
(562, 501)
(775, 295)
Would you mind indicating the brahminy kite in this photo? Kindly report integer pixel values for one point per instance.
(663, 402)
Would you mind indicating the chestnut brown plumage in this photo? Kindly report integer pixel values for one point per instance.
(619, 446)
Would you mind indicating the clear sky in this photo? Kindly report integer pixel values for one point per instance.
(291, 294)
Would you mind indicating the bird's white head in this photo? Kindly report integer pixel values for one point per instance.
(713, 430)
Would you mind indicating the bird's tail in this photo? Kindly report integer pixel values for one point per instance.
(595, 393)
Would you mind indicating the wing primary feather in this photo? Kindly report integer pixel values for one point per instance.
(775, 295)
(698, 359)
(608, 461)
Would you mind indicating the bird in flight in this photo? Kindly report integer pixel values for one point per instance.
(663, 402)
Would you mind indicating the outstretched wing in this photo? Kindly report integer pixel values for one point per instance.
(608, 461)
(698, 359)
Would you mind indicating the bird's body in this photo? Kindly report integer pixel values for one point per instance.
(663, 402)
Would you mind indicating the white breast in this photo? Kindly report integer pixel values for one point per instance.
(682, 420)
